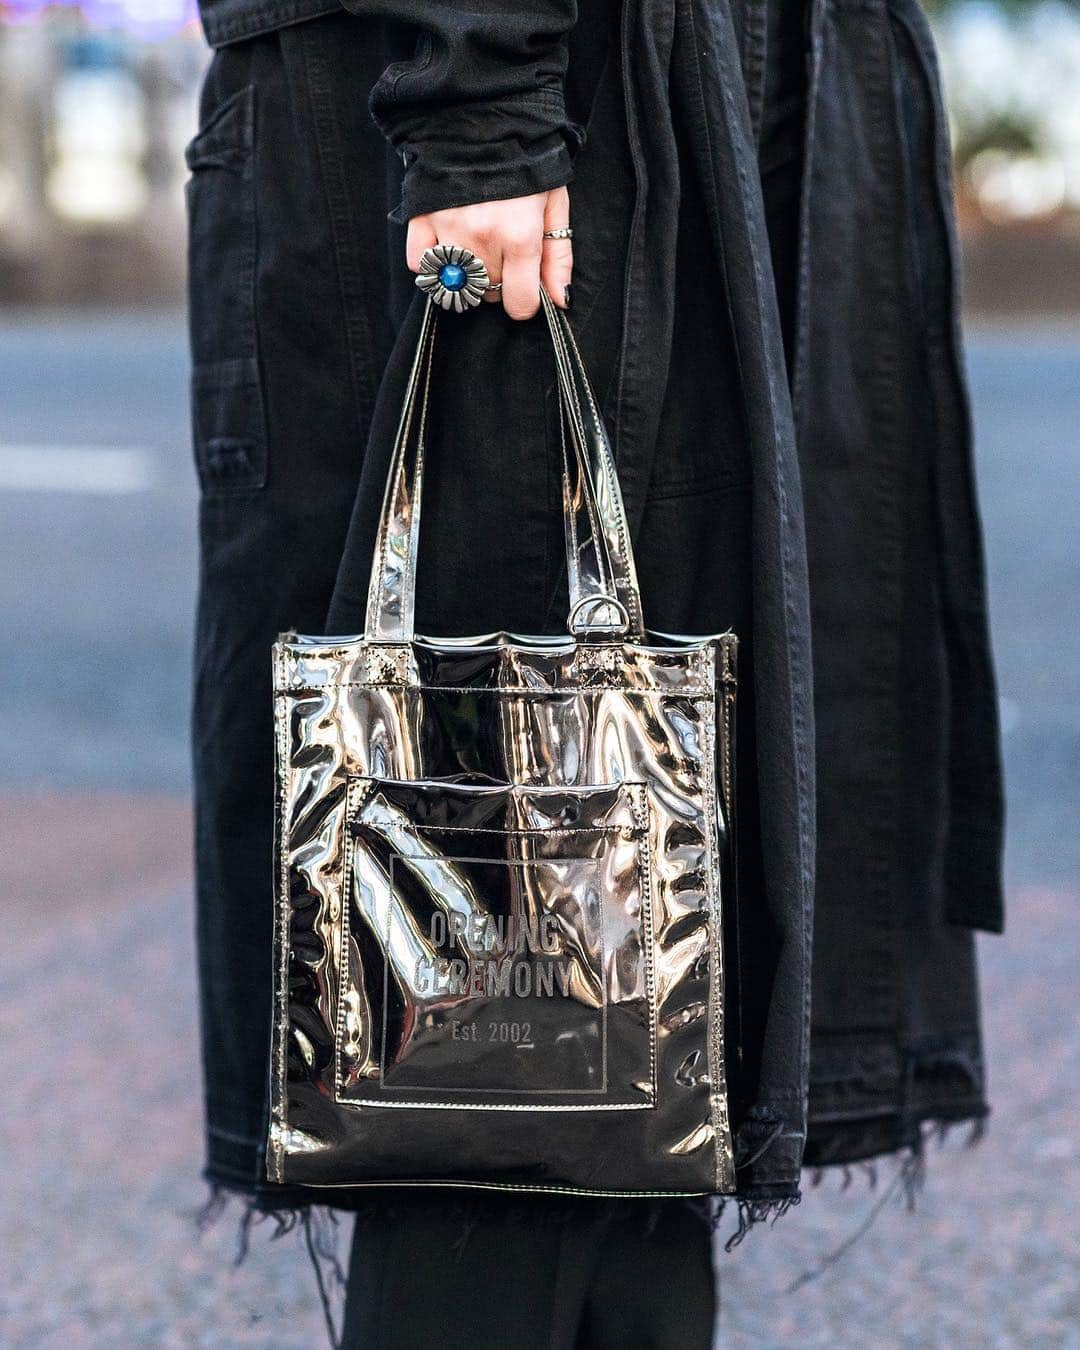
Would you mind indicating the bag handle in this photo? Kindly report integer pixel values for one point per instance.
(604, 598)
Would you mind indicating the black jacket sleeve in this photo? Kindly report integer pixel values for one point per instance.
(478, 114)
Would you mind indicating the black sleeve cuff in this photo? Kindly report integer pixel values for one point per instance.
(482, 152)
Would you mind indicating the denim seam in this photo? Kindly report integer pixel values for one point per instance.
(362, 364)
(800, 345)
(665, 490)
(753, 58)
(246, 148)
(632, 302)
(884, 646)
(222, 32)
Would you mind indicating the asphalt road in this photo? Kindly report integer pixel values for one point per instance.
(98, 1041)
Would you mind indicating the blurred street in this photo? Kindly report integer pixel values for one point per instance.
(98, 1051)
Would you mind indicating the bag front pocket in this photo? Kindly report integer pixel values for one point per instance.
(496, 947)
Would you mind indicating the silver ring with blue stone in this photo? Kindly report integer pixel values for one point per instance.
(454, 277)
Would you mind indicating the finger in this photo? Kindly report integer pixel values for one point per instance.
(490, 254)
(521, 277)
(485, 243)
(557, 209)
(419, 236)
(557, 263)
(556, 269)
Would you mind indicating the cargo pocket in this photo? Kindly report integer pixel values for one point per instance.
(497, 947)
(228, 419)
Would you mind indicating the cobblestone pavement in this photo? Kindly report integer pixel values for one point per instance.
(100, 1117)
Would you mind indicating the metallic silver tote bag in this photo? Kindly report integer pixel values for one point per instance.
(498, 938)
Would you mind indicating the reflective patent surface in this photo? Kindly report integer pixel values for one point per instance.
(504, 929)
(602, 578)
(498, 924)
(498, 936)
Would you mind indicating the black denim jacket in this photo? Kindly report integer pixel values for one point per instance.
(862, 529)
(478, 112)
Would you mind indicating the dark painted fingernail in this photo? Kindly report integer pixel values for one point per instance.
(568, 296)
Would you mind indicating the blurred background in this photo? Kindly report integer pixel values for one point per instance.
(98, 1050)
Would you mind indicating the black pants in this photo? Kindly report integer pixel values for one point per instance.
(297, 291)
(542, 1274)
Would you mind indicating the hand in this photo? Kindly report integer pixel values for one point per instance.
(508, 239)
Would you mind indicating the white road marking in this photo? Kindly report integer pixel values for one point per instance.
(96, 469)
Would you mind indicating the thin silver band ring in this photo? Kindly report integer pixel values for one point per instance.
(564, 232)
